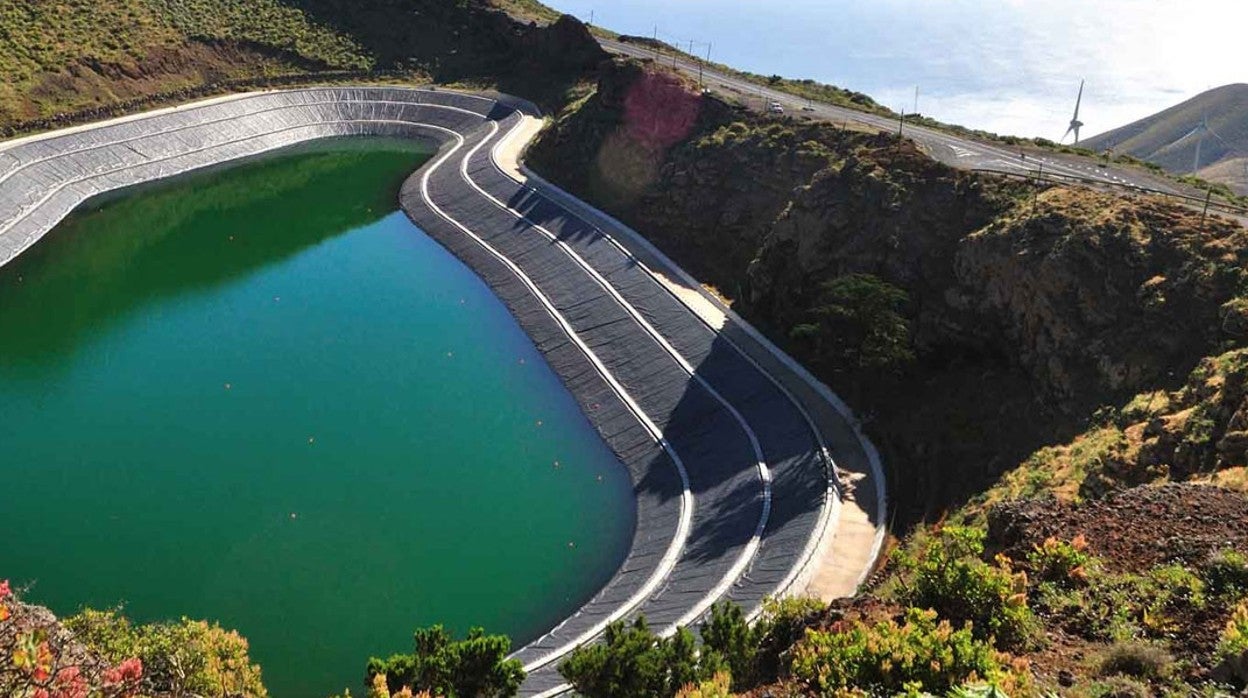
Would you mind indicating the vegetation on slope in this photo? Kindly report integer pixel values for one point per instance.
(76, 55)
(102, 654)
(1003, 342)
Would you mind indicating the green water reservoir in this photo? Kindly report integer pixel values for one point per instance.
(259, 395)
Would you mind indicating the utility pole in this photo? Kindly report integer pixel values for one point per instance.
(591, 18)
(708, 60)
(656, 43)
(901, 123)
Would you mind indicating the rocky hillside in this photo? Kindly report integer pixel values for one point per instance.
(85, 55)
(1170, 138)
(970, 319)
(1031, 361)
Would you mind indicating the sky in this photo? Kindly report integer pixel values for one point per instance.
(1008, 66)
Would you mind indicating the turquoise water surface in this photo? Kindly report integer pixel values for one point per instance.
(259, 395)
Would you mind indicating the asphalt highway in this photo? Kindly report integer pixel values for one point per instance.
(957, 151)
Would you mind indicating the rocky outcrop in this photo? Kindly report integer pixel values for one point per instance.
(1098, 290)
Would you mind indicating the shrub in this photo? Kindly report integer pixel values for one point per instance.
(1138, 659)
(441, 665)
(633, 661)
(948, 576)
(1059, 561)
(1119, 687)
(717, 687)
(753, 652)
(920, 653)
(1170, 590)
(727, 633)
(186, 657)
(1226, 574)
(1120, 607)
(1234, 640)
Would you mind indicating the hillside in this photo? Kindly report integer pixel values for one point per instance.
(1003, 345)
(1169, 138)
(85, 55)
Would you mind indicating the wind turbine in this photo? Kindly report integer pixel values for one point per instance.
(1202, 129)
(1075, 123)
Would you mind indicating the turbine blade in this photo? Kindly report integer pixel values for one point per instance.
(1187, 135)
(1078, 100)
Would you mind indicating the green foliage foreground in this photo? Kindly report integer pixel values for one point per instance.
(476, 666)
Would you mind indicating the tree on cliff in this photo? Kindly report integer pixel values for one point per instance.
(857, 324)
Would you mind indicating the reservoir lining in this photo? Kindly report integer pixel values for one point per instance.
(707, 529)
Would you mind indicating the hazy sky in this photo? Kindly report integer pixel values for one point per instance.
(1007, 65)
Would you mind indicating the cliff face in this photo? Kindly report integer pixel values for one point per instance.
(1020, 313)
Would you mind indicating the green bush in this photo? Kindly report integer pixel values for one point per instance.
(1226, 574)
(183, 658)
(1138, 659)
(633, 661)
(1059, 561)
(1121, 607)
(474, 666)
(1119, 687)
(948, 576)
(919, 654)
(1234, 640)
(753, 652)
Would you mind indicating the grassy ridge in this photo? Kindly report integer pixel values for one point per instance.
(64, 56)
(1167, 139)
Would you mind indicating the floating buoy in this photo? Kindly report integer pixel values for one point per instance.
(522, 360)
(228, 386)
(449, 354)
(277, 299)
(293, 515)
(599, 478)
(556, 465)
(311, 439)
(539, 422)
(571, 544)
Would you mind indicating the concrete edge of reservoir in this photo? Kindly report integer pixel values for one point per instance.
(752, 478)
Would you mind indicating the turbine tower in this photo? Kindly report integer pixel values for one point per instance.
(1075, 123)
(1202, 129)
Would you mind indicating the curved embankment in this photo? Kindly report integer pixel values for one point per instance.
(730, 445)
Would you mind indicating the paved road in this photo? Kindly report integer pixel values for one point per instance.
(950, 149)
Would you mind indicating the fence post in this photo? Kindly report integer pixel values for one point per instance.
(1208, 195)
(1035, 199)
